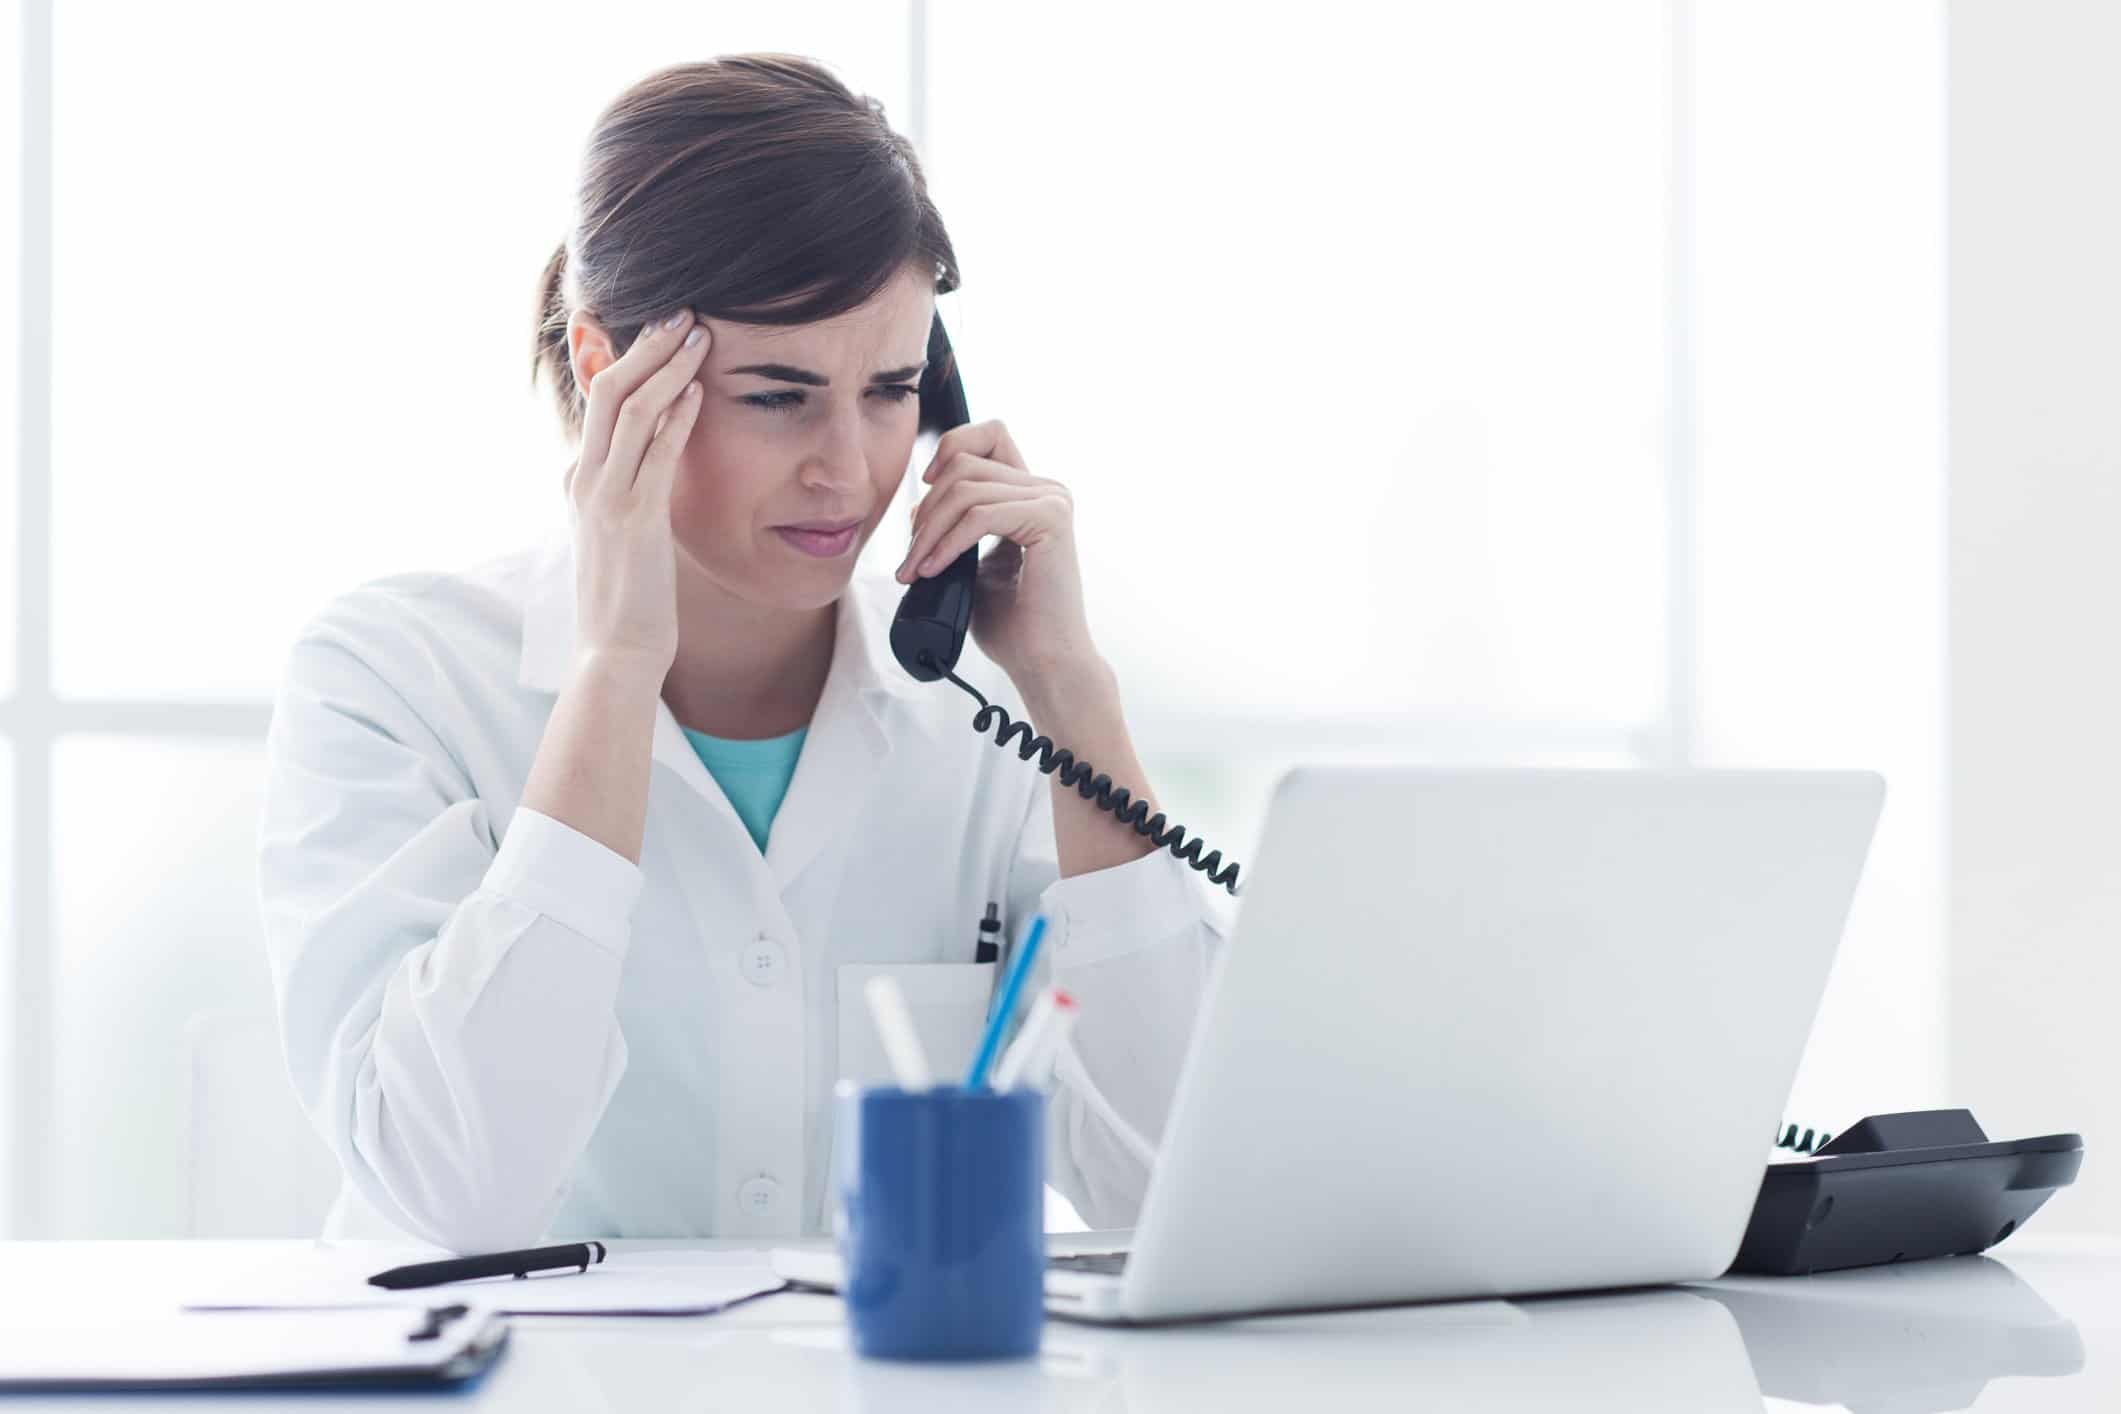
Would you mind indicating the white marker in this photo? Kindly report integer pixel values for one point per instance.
(1052, 1004)
(894, 1025)
(1039, 1068)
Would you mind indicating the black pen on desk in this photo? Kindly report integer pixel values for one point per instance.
(491, 1264)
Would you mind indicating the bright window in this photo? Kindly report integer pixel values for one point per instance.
(10, 326)
(1432, 384)
(295, 307)
(1346, 325)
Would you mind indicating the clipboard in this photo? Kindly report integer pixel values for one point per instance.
(353, 1347)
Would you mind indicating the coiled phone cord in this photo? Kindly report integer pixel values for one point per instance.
(1117, 799)
(1806, 1145)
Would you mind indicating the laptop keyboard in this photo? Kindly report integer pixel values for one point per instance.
(1103, 1263)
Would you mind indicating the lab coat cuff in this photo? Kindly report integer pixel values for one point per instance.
(1120, 908)
(556, 870)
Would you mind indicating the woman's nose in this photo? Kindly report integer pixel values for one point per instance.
(838, 460)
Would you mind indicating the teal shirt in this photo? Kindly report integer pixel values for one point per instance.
(753, 774)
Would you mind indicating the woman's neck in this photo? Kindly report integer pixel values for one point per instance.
(744, 670)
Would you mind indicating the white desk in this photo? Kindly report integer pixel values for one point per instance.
(2039, 1325)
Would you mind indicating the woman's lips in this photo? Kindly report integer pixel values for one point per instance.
(818, 543)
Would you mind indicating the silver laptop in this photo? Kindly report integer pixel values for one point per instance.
(1486, 1032)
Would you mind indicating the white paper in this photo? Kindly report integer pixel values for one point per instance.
(651, 1283)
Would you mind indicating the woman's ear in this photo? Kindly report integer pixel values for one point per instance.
(589, 350)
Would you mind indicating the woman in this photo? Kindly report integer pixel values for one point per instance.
(572, 863)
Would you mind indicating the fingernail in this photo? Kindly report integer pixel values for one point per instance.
(694, 336)
(676, 319)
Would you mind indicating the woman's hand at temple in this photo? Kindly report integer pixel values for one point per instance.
(641, 410)
(591, 771)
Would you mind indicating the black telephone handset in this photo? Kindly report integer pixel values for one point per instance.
(934, 617)
(928, 634)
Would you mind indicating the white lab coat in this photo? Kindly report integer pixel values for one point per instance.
(507, 1031)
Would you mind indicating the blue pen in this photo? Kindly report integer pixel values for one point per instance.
(1019, 969)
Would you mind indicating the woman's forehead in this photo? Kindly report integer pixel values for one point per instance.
(891, 328)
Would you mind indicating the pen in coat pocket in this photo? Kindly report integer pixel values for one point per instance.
(988, 949)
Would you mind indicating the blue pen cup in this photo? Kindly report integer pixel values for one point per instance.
(942, 1221)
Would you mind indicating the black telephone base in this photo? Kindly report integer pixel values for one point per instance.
(1899, 1188)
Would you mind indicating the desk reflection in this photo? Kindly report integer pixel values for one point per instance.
(1889, 1340)
(1646, 1350)
(1907, 1339)
(1641, 1350)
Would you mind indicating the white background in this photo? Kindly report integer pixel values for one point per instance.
(1525, 382)
(2036, 581)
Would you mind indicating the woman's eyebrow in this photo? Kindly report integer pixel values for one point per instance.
(789, 374)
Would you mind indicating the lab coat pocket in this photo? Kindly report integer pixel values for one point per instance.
(948, 1002)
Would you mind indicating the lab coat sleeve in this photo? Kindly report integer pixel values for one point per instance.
(447, 1003)
(1133, 944)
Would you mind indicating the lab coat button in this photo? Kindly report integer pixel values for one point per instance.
(763, 961)
(758, 1197)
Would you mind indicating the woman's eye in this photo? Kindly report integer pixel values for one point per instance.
(780, 401)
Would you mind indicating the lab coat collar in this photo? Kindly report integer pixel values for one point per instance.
(849, 736)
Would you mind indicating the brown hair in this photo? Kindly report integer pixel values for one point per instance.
(752, 187)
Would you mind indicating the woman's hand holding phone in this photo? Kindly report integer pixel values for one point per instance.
(642, 409)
